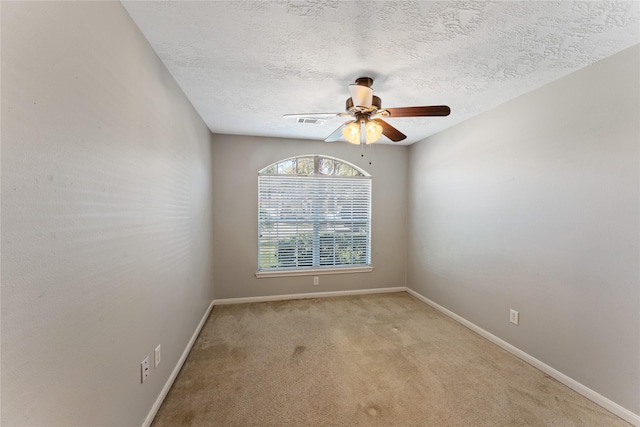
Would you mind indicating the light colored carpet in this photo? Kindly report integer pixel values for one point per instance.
(373, 360)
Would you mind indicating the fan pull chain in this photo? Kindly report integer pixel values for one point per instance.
(370, 151)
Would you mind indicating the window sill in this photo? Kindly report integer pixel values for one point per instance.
(313, 272)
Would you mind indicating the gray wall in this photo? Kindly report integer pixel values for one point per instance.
(236, 162)
(106, 213)
(535, 206)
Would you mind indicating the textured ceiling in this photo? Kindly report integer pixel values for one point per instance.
(245, 64)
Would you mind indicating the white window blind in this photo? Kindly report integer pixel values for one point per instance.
(313, 221)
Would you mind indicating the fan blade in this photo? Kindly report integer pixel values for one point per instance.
(337, 134)
(389, 131)
(433, 110)
(362, 96)
(312, 115)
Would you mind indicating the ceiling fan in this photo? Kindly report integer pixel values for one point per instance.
(365, 109)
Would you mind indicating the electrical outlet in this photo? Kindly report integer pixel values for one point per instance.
(514, 316)
(316, 280)
(156, 356)
(144, 369)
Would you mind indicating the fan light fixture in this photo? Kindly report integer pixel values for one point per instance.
(373, 132)
(351, 133)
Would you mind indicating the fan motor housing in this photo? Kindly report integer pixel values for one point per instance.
(375, 105)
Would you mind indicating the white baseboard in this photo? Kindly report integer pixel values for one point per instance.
(569, 382)
(176, 370)
(227, 301)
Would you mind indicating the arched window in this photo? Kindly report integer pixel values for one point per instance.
(314, 212)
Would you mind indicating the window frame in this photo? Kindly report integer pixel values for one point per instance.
(317, 269)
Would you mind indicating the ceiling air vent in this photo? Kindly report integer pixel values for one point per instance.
(310, 121)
